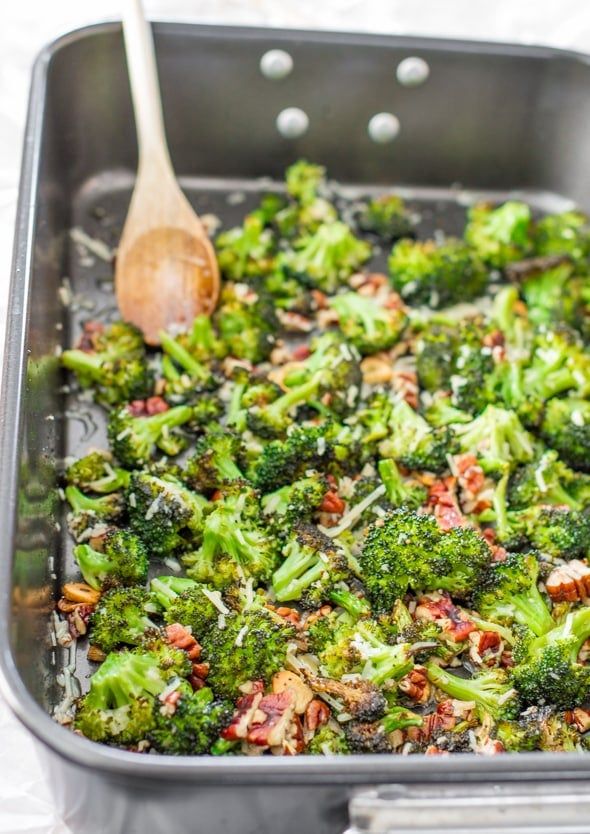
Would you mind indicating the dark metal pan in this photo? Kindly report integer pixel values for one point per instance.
(489, 119)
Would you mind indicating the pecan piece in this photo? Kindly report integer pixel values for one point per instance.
(569, 582)
(416, 685)
(271, 721)
(316, 714)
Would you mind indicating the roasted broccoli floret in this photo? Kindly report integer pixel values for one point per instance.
(247, 322)
(499, 235)
(88, 511)
(367, 324)
(400, 492)
(386, 216)
(406, 550)
(120, 617)
(313, 564)
(566, 428)
(437, 275)
(252, 646)
(307, 186)
(547, 669)
(295, 502)
(96, 472)
(164, 513)
(246, 251)
(119, 705)
(497, 437)
(552, 293)
(492, 690)
(123, 560)
(187, 602)
(198, 373)
(285, 461)
(567, 233)
(453, 357)
(214, 460)
(235, 542)
(412, 442)
(114, 364)
(508, 592)
(328, 742)
(383, 663)
(556, 531)
(546, 480)
(134, 440)
(326, 258)
(360, 698)
(193, 727)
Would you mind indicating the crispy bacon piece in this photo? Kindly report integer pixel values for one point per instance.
(569, 582)
(470, 475)
(181, 638)
(439, 608)
(406, 384)
(300, 353)
(146, 408)
(433, 750)
(332, 503)
(416, 685)
(442, 497)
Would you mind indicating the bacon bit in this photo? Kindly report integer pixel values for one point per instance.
(137, 408)
(316, 714)
(441, 496)
(433, 750)
(180, 638)
(579, 717)
(272, 719)
(320, 299)
(170, 702)
(332, 503)
(246, 706)
(155, 405)
(569, 582)
(453, 621)
(285, 681)
(494, 339)
(87, 341)
(217, 495)
(416, 685)
(289, 614)
(300, 353)
(470, 474)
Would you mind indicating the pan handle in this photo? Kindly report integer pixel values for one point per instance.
(470, 808)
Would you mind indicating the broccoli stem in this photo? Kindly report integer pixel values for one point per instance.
(299, 570)
(92, 564)
(576, 624)
(531, 610)
(357, 607)
(302, 393)
(79, 502)
(84, 363)
(182, 357)
(484, 691)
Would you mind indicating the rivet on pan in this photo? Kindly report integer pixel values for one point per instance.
(412, 71)
(292, 122)
(276, 64)
(383, 128)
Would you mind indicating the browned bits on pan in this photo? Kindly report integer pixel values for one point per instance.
(569, 582)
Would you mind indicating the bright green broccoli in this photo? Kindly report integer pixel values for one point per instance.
(214, 460)
(492, 690)
(89, 511)
(400, 492)
(96, 472)
(120, 617)
(413, 443)
(367, 324)
(295, 502)
(566, 427)
(436, 275)
(547, 480)
(134, 440)
(193, 727)
(187, 602)
(499, 235)
(386, 216)
(328, 742)
(285, 461)
(246, 251)
(123, 560)
(567, 233)
(247, 322)
(497, 437)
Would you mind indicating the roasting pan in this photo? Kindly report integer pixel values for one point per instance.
(489, 120)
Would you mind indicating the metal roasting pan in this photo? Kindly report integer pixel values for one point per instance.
(490, 119)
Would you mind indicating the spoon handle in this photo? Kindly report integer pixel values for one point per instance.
(145, 90)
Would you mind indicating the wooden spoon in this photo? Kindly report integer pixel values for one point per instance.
(166, 271)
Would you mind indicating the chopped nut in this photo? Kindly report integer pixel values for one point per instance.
(569, 582)
(377, 369)
(80, 592)
(285, 681)
(316, 714)
(580, 718)
(95, 654)
(416, 685)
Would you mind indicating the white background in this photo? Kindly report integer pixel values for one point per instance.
(26, 25)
